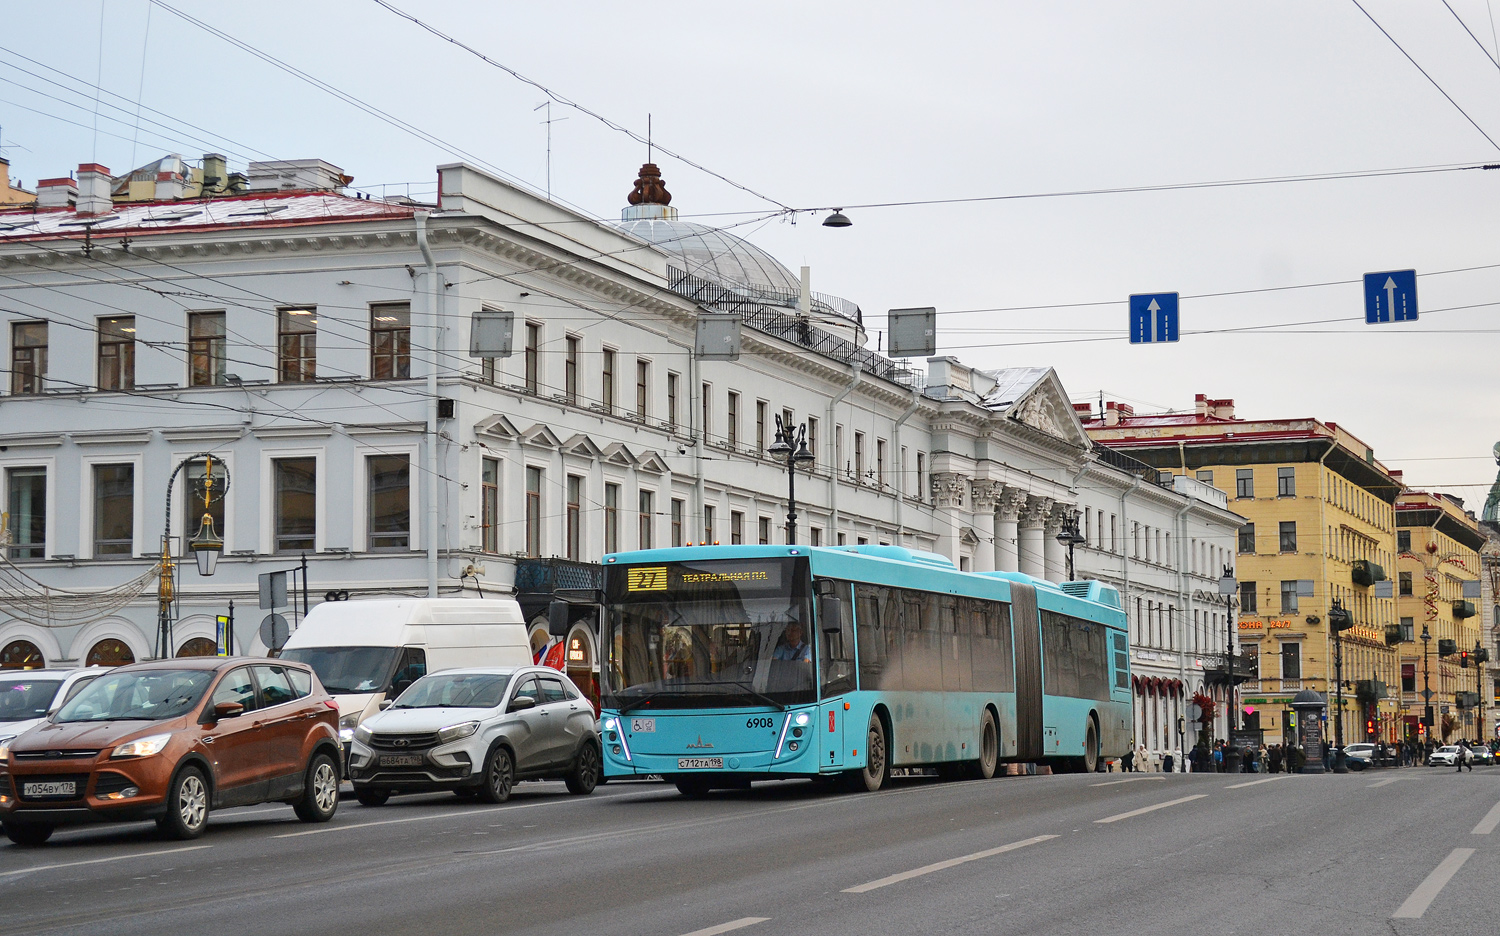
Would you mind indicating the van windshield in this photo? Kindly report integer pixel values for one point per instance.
(348, 670)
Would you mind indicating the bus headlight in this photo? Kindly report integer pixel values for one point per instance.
(803, 718)
(791, 745)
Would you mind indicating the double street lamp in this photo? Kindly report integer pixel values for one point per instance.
(1339, 620)
(791, 447)
(206, 545)
(1070, 537)
(1228, 588)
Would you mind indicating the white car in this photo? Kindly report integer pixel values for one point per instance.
(476, 731)
(1445, 756)
(26, 696)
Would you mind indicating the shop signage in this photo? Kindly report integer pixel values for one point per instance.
(1279, 625)
(1250, 625)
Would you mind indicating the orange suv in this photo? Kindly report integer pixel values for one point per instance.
(172, 740)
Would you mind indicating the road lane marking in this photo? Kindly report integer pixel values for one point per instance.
(1382, 783)
(429, 817)
(1236, 786)
(1146, 809)
(94, 861)
(1427, 891)
(1128, 780)
(1489, 822)
(732, 925)
(943, 865)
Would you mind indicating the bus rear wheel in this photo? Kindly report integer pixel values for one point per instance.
(877, 759)
(989, 750)
(1090, 759)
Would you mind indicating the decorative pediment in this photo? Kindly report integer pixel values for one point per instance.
(616, 453)
(497, 426)
(1034, 397)
(582, 446)
(968, 537)
(541, 437)
(651, 463)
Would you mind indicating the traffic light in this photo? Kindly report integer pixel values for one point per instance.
(1369, 726)
(1463, 660)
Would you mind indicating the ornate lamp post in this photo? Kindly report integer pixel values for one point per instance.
(1426, 681)
(791, 446)
(1339, 620)
(1228, 588)
(206, 546)
(1070, 537)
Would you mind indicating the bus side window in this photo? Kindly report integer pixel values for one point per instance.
(836, 656)
(954, 639)
(879, 659)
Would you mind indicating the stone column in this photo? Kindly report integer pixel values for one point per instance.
(1007, 557)
(1056, 553)
(1031, 543)
(948, 490)
(983, 495)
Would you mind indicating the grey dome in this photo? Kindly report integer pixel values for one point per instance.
(714, 254)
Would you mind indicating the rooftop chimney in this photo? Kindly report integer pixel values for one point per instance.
(1200, 404)
(93, 189)
(56, 193)
(215, 173)
(1114, 412)
(1084, 410)
(1222, 409)
(168, 186)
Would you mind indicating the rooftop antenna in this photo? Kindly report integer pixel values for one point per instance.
(648, 138)
(549, 122)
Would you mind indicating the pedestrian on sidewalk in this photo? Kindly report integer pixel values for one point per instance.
(1127, 760)
(1166, 763)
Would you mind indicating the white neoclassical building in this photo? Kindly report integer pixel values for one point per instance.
(318, 343)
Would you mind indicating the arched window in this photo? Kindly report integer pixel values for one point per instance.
(199, 647)
(539, 636)
(21, 654)
(109, 652)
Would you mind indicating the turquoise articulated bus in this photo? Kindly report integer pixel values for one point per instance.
(727, 664)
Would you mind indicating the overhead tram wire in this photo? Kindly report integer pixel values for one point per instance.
(567, 102)
(1424, 71)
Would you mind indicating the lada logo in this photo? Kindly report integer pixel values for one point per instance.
(400, 742)
(700, 745)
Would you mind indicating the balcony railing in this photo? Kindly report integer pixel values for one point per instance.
(1215, 668)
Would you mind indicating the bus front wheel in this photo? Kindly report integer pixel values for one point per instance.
(1090, 759)
(877, 759)
(989, 750)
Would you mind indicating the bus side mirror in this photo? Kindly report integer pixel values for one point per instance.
(558, 615)
(830, 614)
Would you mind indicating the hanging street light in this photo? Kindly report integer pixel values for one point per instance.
(206, 546)
(837, 220)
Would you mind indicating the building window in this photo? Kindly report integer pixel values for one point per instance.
(1408, 629)
(1404, 583)
(732, 424)
(206, 349)
(1244, 482)
(570, 369)
(109, 652)
(922, 476)
(1288, 536)
(1247, 598)
(607, 381)
(487, 370)
(28, 512)
(1288, 596)
(611, 518)
(763, 531)
(736, 528)
(647, 520)
(22, 654)
(671, 401)
(812, 442)
(1207, 477)
(1291, 661)
(117, 353)
(1408, 677)
(708, 411)
(114, 510)
(880, 463)
(533, 511)
(28, 356)
(1403, 541)
(390, 341)
(489, 505)
(296, 502)
(642, 388)
(297, 345)
(815, 536)
(859, 458)
(390, 502)
(531, 357)
(708, 524)
(760, 426)
(676, 522)
(1247, 538)
(1286, 482)
(574, 516)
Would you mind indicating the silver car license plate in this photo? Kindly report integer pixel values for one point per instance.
(400, 760)
(700, 763)
(62, 788)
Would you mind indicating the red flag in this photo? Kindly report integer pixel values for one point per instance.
(555, 655)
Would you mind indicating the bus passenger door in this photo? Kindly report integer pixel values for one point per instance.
(835, 666)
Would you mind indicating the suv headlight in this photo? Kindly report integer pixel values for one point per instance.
(362, 734)
(455, 732)
(5, 748)
(142, 747)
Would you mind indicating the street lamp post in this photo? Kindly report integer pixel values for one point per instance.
(1070, 537)
(206, 546)
(791, 446)
(1339, 620)
(1426, 681)
(1229, 587)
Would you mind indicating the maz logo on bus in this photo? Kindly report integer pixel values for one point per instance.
(760, 723)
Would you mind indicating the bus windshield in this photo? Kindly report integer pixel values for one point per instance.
(709, 634)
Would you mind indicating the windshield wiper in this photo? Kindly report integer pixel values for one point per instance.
(760, 697)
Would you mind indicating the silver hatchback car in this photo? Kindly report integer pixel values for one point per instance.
(477, 731)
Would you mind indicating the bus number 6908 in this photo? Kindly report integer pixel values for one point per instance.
(760, 723)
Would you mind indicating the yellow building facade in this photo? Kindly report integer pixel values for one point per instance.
(1438, 574)
(1322, 529)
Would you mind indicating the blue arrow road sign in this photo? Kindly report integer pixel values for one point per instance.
(1153, 317)
(1391, 297)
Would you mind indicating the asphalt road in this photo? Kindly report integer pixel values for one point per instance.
(1392, 851)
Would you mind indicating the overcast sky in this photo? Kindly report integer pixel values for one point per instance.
(841, 104)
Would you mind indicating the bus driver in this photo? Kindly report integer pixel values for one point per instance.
(792, 646)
